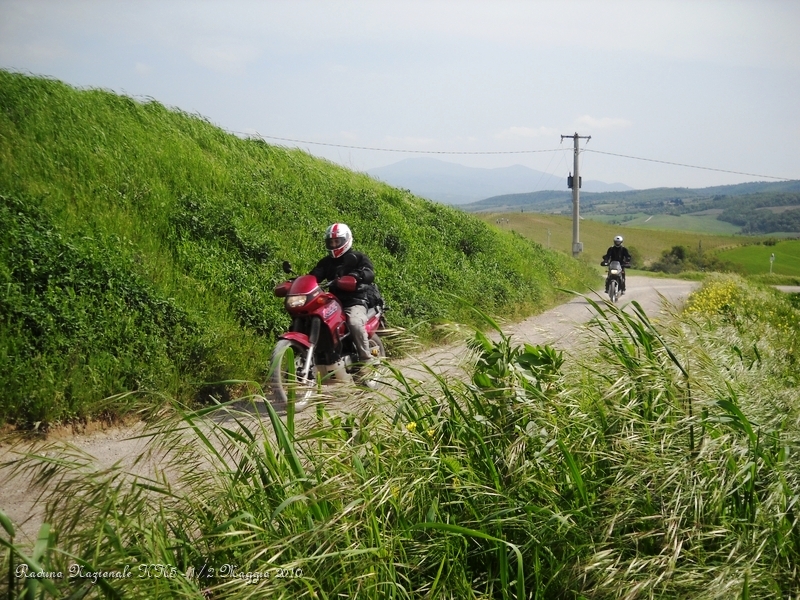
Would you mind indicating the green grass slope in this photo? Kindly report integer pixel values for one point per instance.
(754, 259)
(646, 244)
(139, 246)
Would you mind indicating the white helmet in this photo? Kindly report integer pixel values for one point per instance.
(618, 240)
(338, 239)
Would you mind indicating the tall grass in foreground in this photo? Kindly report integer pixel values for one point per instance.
(660, 465)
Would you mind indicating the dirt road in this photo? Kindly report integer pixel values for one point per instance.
(560, 327)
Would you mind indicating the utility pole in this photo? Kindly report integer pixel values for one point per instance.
(574, 182)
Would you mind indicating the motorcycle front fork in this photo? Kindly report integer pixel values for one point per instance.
(313, 338)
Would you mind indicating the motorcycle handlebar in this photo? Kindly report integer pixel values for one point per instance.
(347, 283)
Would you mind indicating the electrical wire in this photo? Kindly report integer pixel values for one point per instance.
(545, 172)
(272, 137)
(666, 162)
(663, 162)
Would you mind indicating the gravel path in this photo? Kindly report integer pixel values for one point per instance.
(560, 327)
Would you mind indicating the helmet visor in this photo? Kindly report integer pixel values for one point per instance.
(332, 243)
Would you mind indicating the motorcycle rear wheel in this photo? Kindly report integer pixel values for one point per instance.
(375, 374)
(285, 379)
(376, 346)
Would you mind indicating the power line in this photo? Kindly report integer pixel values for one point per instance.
(663, 162)
(666, 162)
(272, 137)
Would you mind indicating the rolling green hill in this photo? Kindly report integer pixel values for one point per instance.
(139, 246)
(752, 208)
(646, 244)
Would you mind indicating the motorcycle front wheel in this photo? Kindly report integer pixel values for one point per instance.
(613, 290)
(286, 376)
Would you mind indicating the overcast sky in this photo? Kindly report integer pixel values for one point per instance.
(706, 83)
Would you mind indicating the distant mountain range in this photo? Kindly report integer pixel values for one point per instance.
(451, 183)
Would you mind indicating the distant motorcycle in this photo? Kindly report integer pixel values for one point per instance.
(319, 338)
(614, 279)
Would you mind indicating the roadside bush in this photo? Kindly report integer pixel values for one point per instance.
(79, 324)
(679, 259)
(756, 311)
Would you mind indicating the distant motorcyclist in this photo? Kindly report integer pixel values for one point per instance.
(343, 260)
(619, 253)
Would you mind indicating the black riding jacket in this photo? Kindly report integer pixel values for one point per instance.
(350, 263)
(619, 253)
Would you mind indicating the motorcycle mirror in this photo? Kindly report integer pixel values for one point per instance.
(287, 267)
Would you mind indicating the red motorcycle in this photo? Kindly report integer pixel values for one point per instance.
(322, 348)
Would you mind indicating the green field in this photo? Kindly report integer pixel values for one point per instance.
(700, 224)
(754, 260)
(597, 236)
(692, 223)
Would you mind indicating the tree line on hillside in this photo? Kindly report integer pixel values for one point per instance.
(763, 221)
(752, 212)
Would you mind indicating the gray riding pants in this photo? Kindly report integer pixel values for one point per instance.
(357, 320)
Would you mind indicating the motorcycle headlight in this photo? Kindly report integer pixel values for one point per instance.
(614, 271)
(295, 301)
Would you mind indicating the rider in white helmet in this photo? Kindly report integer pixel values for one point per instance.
(343, 260)
(620, 253)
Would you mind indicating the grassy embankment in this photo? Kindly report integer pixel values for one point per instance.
(660, 465)
(139, 247)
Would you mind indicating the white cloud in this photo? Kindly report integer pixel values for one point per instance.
(732, 32)
(35, 52)
(224, 57)
(587, 121)
(527, 132)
